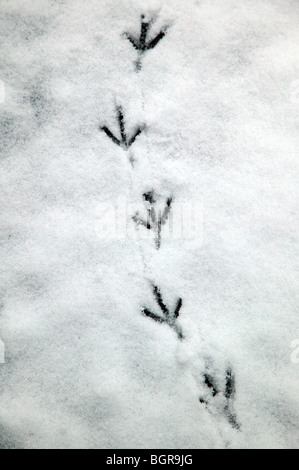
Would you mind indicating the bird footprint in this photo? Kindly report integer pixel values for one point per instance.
(155, 217)
(168, 317)
(224, 398)
(125, 142)
(141, 44)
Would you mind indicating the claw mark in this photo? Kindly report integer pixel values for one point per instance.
(142, 45)
(155, 219)
(124, 141)
(228, 395)
(168, 316)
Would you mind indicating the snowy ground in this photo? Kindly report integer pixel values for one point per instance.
(219, 97)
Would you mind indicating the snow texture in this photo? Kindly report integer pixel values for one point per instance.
(216, 103)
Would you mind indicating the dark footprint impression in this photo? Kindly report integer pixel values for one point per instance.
(155, 217)
(167, 316)
(227, 395)
(125, 142)
(142, 45)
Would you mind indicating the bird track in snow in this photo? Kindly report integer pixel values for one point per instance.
(169, 317)
(124, 141)
(156, 218)
(226, 396)
(142, 45)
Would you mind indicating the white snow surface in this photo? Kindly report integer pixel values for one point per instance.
(219, 96)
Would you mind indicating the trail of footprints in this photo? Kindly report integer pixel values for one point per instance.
(215, 397)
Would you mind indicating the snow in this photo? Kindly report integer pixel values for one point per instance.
(218, 97)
